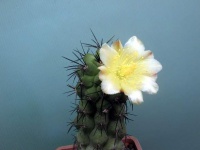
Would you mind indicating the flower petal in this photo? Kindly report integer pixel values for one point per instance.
(135, 97)
(103, 73)
(147, 54)
(107, 54)
(110, 87)
(117, 45)
(132, 90)
(153, 66)
(134, 44)
(149, 85)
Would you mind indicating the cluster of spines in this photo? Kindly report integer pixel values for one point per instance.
(101, 118)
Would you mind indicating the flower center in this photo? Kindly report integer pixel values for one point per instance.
(124, 65)
(124, 71)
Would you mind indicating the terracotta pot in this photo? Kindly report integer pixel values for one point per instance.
(129, 140)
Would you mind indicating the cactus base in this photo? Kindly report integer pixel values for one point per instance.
(130, 142)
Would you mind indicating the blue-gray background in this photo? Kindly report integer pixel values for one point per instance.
(35, 34)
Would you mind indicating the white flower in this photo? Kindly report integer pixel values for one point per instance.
(129, 69)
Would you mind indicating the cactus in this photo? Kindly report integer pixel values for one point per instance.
(100, 120)
(101, 110)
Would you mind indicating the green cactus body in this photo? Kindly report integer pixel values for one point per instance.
(100, 120)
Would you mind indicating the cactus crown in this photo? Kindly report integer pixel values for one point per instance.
(101, 118)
